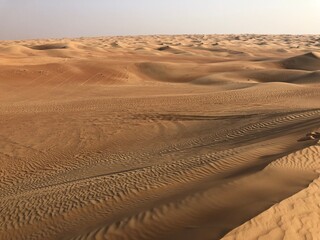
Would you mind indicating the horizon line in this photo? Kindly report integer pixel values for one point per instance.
(160, 34)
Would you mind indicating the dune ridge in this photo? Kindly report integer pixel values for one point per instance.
(296, 217)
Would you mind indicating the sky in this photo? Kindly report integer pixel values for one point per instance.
(30, 19)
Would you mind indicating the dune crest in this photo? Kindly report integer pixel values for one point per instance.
(309, 61)
(296, 217)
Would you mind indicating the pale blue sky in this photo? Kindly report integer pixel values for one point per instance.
(21, 19)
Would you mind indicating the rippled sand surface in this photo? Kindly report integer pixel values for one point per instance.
(160, 137)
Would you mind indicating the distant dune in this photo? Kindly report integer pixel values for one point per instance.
(160, 137)
(309, 61)
(50, 46)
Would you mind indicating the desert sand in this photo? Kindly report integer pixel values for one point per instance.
(160, 137)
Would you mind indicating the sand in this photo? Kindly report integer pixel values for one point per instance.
(160, 137)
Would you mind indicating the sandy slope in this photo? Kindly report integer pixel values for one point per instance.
(160, 137)
(294, 218)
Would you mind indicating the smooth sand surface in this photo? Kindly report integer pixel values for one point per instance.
(160, 137)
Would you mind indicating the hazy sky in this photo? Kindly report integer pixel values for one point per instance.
(20, 19)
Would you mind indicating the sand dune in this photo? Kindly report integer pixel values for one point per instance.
(309, 61)
(160, 137)
(296, 217)
(50, 46)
